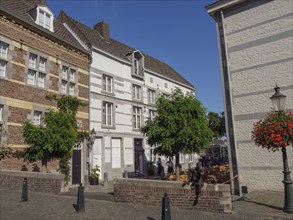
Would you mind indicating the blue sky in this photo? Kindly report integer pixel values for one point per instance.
(179, 33)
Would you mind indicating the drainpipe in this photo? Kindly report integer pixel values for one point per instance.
(226, 86)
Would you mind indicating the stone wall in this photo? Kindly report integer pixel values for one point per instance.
(37, 182)
(214, 198)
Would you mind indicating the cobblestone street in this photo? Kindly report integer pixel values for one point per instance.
(98, 206)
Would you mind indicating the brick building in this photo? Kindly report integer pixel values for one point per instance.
(38, 57)
(255, 40)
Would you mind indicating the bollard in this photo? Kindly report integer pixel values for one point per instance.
(125, 174)
(166, 212)
(80, 199)
(24, 194)
(106, 180)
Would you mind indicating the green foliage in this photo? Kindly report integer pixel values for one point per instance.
(55, 137)
(217, 124)
(95, 172)
(5, 152)
(180, 125)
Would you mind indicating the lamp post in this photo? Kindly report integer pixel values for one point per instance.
(278, 101)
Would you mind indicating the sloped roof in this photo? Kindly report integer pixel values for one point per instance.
(92, 37)
(18, 10)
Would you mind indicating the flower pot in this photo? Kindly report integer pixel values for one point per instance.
(94, 181)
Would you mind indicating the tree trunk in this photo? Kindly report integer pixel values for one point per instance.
(177, 166)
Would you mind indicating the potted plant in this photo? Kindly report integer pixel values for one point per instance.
(94, 175)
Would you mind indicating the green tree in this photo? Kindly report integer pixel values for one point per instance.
(180, 126)
(55, 137)
(217, 124)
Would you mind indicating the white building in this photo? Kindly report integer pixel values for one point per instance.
(124, 83)
(255, 41)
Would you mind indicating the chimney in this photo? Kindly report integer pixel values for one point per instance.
(103, 28)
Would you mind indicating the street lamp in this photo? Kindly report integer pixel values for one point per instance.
(278, 101)
(91, 140)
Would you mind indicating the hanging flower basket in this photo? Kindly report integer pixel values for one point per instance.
(274, 131)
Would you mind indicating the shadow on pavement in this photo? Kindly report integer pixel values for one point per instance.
(262, 204)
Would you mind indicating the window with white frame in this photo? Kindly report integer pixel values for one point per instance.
(107, 83)
(36, 70)
(107, 117)
(153, 156)
(136, 92)
(3, 58)
(3, 65)
(1, 112)
(190, 157)
(68, 84)
(137, 115)
(151, 96)
(152, 113)
(45, 19)
(138, 64)
(37, 117)
(3, 50)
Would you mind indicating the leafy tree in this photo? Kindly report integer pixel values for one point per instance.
(180, 126)
(55, 137)
(217, 124)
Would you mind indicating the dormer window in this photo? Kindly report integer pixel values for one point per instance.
(44, 17)
(138, 64)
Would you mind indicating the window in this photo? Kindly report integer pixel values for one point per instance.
(136, 92)
(137, 117)
(36, 70)
(138, 64)
(42, 64)
(44, 19)
(3, 50)
(32, 62)
(37, 118)
(1, 112)
(68, 84)
(153, 156)
(107, 114)
(3, 65)
(64, 87)
(152, 113)
(72, 75)
(107, 83)
(3, 54)
(166, 85)
(190, 157)
(31, 77)
(64, 72)
(151, 96)
(71, 89)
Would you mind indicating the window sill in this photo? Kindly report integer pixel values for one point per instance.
(107, 93)
(138, 76)
(108, 127)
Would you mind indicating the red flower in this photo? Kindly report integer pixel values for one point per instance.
(275, 130)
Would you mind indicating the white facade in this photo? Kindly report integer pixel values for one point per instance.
(256, 50)
(120, 146)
